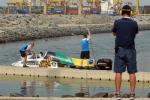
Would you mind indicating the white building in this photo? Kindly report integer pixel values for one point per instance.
(106, 6)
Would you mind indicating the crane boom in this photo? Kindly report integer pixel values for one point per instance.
(137, 7)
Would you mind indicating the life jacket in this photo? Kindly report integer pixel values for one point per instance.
(23, 47)
(85, 44)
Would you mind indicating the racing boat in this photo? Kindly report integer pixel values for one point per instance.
(44, 61)
(58, 59)
(31, 61)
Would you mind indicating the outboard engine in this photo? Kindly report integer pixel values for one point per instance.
(104, 64)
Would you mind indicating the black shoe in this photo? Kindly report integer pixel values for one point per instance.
(117, 96)
(132, 96)
(25, 66)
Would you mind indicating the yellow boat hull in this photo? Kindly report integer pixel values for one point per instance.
(84, 63)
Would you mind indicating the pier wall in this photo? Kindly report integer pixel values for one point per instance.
(70, 73)
(29, 27)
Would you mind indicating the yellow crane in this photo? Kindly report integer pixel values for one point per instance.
(117, 6)
(29, 3)
(44, 2)
(95, 3)
(47, 3)
(21, 3)
(80, 7)
(137, 7)
(17, 1)
(117, 1)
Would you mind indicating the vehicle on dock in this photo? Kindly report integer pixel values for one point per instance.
(53, 59)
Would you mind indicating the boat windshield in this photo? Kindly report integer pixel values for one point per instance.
(49, 53)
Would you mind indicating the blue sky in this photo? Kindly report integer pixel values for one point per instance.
(142, 2)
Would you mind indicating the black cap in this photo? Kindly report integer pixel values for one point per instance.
(126, 9)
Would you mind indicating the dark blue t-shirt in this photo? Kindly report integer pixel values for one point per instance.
(125, 30)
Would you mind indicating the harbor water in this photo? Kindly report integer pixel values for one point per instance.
(102, 46)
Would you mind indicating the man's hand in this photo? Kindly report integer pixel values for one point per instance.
(114, 34)
(89, 33)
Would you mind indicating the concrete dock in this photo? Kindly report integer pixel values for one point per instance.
(69, 73)
(66, 73)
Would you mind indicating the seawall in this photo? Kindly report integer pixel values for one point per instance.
(29, 27)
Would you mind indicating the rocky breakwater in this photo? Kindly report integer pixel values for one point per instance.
(27, 27)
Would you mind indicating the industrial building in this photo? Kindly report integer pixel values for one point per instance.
(70, 7)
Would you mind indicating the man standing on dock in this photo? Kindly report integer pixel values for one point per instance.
(125, 30)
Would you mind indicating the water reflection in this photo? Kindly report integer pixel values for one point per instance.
(28, 88)
(51, 87)
(24, 88)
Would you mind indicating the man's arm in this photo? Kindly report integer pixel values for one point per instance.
(89, 34)
(137, 28)
(114, 29)
(29, 49)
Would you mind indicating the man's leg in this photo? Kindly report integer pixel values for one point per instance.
(24, 61)
(82, 57)
(132, 69)
(119, 68)
(132, 83)
(118, 79)
(88, 55)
